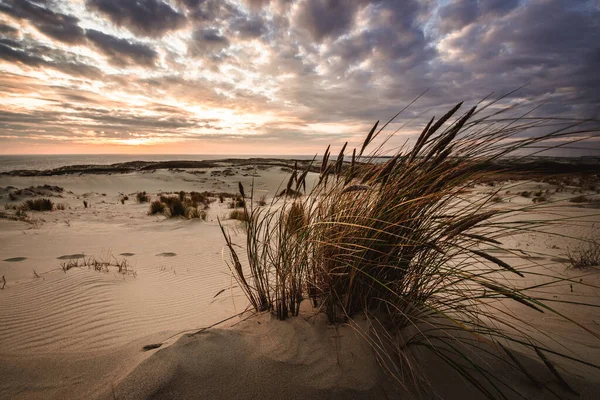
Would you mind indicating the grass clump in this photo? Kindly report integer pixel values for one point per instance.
(396, 243)
(181, 205)
(580, 199)
(237, 202)
(100, 265)
(142, 197)
(38, 205)
(157, 207)
(240, 215)
(262, 200)
(585, 256)
(175, 207)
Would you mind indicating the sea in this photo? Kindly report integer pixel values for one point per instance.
(45, 162)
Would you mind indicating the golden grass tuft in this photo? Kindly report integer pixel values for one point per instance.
(398, 243)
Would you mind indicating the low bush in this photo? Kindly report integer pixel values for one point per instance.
(156, 207)
(240, 215)
(142, 197)
(38, 205)
(237, 202)
(580, 199)
(175, 208)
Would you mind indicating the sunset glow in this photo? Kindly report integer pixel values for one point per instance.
(274, 76)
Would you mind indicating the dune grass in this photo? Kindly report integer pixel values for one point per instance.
(100, 264)
(240, 215)
(586, 255)
(38, 205)
(181, 205)
(399, 242)
(142, 197)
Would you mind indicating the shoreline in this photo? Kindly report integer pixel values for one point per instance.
(521, 167)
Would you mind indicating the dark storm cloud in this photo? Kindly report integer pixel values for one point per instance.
(325, 18)
(144, 17)
(557, 58)
(122, 51)
(57, 25)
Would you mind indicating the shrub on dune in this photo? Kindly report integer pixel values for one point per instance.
(38, 205)
(240, 215)
(176, 208)
(156, 207)
(399, 243)
(142, 197)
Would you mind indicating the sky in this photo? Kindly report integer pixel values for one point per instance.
(277, 76)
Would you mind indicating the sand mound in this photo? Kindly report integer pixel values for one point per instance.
(262, 358)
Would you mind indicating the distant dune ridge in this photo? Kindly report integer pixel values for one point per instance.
(371, 309)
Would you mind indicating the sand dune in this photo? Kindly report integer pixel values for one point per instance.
(79, 333)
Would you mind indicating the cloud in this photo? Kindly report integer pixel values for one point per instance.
(151, 18)
(325, 18)
(56, 25)
(35, 55)
(207, 40)
(460, 13)
(122, 51)
(253, 27)
(278, 69)
(8, 30)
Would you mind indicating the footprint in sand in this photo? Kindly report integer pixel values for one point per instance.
(127, 254)
(166, 254)
(71, 256)
(16, 259)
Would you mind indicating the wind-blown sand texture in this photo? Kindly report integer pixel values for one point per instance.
(80, 333)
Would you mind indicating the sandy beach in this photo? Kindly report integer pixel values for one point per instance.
(79, 333)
